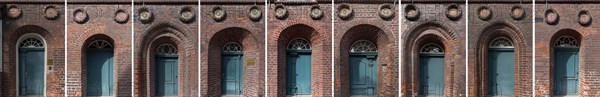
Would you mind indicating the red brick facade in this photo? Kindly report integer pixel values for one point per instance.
(364, 23)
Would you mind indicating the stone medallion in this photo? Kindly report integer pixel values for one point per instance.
(280, 12)
(121, 16)
(254, 13)
(517, 12)
(14, 12)
(551, 17)
(51, 13)
(584, 18)
(345, 11)
(145, 15)
(411, 12)
(80, 16)
(453, 12)
(218, 14)
(386, 12)
(484, 13)
(187, 15)
(316, 12)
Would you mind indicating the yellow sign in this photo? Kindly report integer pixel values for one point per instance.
(250, 62)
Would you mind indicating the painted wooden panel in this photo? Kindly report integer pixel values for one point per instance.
(166, 76)
(363, 75)
(431, 75)
(231, 74)
(31, 71)
(501, 72)
(99, 72)
(566, 72)
(298, 74)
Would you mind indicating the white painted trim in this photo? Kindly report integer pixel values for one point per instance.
(32, 35)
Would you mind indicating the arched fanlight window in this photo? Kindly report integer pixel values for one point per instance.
(31, 43)
(363, 46)
(232, 47)
(299, 44)
(100, 44)
(166, 49)
(432, 48)
(501, 42)
(566, 41)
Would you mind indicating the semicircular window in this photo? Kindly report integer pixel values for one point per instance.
(232, 47)
(100, 44)
(363, 46)
(566, 41)
(31, 43)
(166, 49)
(501, 42)
(299, 44)
(432, 48)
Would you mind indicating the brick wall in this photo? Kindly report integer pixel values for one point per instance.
(166, 27)
(588, 35)
(365, 24)
(52, 30)
(500, 24)
(433, 26)
(299, 24)
(101, 24)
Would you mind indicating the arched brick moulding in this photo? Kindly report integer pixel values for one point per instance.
(550, 82)
(316, 40)
(428, 32)
(251, 50)
(491, 31)
(9, 74)
(385, 47)
(83, 59)
(144, 71)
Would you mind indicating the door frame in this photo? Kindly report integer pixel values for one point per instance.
(565, 49)
(303, 51)
(38, 36)
(369, 55)
(241, 55)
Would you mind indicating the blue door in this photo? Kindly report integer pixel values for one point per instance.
(99, 72)
(298, 73)
(501, 71)
(566, 76)
(31, 71)
(166, 75)
(232, 74)
(363, 74)
(431, 74)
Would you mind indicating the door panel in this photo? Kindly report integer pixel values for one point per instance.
(566, 73)
(232, 75)
(100, 73)
(431, 75)
(166, 77)
(501, 73)
(363, 75)
(298, 74)
(31, 71)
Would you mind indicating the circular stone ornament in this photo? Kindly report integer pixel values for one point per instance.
(80, 16)
(386, 12)
(316, 12)
(280, 12)
(121, 16)
(51, 13)
(411, 12)
(14, 12)
(345, 11)
(218, 14)
(254, 13)
(453, 12)
(145, 15)
(484, 13)
(584, 18)
(186, 15)
(551, 17)
(517, 12)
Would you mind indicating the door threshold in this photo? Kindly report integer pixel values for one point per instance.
(229, 95)
(298, 95)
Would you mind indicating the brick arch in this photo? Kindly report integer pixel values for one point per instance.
(251, 51)
(156, 35)
(82, 66)
(318, 46)
(550, 78)
(491, 31)
(385, 48)
(9, 74)
(422, 34)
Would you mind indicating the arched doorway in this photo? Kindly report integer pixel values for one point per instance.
(501, 57)
(99, 60)
(431, 70)
(566, 66)
(231, 69)
(166, 69)
(363, 68)
(31, 65)
(298, 67)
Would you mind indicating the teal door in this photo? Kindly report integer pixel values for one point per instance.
(363, 74)
(298, 72)
(166, 75)
(431, 75)
(99, 72)
(232, 74)
(501, 71)
(566, 76)
(31, 71)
